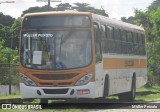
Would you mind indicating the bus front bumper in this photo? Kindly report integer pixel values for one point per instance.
(84, 91)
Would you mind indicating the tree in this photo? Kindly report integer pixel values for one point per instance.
(38, 9)
(84, 7)
(6, 20)
(5, 35)
(63, 6)
(8, 55)
(151, 22)
(15, 33)
(101, 12)
(130, 19)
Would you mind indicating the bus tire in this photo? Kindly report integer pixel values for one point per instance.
(106, 87)
(43, 101)
(129, 96)
(105, 92)
(132, 94)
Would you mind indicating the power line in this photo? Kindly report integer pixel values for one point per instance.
(7, 2)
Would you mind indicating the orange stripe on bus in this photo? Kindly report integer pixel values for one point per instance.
(123, 63)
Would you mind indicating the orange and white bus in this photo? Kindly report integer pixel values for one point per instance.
(80, 55)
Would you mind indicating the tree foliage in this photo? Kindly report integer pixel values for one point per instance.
(6, 20)
(151, 22)
(83, 7)
(128, 20)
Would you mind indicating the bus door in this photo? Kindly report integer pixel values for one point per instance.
(99, 64)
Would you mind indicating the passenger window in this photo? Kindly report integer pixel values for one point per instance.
(129, 36)
(140, 39)
(109, 32)
(135, 38)
(143, 38)
(103, 29)
(116, 34)
(123, 35)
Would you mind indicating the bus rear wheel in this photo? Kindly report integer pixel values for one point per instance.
(129, 96)
(106, 87)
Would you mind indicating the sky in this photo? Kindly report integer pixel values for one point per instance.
(115, 8)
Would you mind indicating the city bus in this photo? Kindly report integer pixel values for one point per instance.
(80, 55)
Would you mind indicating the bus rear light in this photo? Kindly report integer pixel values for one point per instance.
(83, 91)
(26, 80)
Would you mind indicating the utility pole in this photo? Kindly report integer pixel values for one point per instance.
(49, 2)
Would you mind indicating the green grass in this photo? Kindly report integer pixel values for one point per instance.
(153, 89)
(112, 97)
(14, 95)
(149, 97)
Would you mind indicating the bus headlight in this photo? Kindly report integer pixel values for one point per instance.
(27, 81)
(85, 79)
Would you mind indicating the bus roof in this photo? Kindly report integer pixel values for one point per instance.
(68, 12)
(116, 23)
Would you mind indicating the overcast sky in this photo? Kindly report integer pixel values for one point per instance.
(115, 8)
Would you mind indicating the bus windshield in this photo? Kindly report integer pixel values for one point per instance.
(54, 50)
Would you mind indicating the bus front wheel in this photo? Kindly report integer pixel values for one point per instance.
(43, 101)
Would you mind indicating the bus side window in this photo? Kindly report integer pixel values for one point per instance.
(103, 29)
(109, 32)
(123, 35)
(124, 47)
(116, 34)
(143, 42)
(110, 39)
(136, 44)
(130, 42)
(140, 41)
(129, 36)
(117, 38)
(143, 38)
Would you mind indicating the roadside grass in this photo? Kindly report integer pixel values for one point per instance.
(153, 89)
(14, 95)
(154, 93)
(150, 97)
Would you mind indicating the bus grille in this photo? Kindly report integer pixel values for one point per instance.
(57, 84)
(55, 76)
(55, 91)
